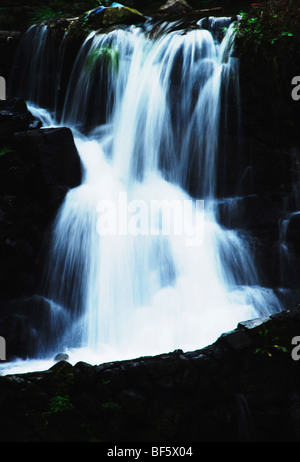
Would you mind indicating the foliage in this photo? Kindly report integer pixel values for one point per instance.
(59, 404)
(273, 25)
(5, 150)
(107, 56)
(59, 8)
(44, 13)
(111, 406)
(269, 343)
(268, 45)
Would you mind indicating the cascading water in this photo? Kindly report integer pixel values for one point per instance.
(138, 266)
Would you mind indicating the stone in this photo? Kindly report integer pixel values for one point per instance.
(21, 324)
(61, 357)
(37, 169)
(175, 6)
(237, 339)
(14, 116)
(105, 17)
(54, 160)
(129, 400)
(254, 323)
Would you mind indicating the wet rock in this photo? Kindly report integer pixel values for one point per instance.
(237, 339)
(175, 6)
(61, 357)
(293, 232)
(37, 168)
(105, 17)
(54, 160)
(228, 391)
(21, 323)
(14, 116)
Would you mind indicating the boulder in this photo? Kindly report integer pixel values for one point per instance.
(41, 164)
(104, 17)
(37, 168)
(54, 160)
(22, 323)
(175, 6)
(14, 116)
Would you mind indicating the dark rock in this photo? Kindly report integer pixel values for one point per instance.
(293, 232)
(61, 357)
(21, 324)
(55, 162)
(106, 17)
(228, 391)
(237, 339)
(14, 116)
(253, 323)
(37, 168)
(175, 6)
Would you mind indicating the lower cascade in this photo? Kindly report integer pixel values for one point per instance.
(139, 263)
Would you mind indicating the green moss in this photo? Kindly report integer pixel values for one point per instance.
(5, 150)
(59, 404)
(111, 406)
(111, 16)
(107, 56)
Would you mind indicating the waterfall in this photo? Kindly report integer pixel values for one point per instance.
(138, 261)
(36, 62)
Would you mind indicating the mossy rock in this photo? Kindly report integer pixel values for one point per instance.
(116, 15)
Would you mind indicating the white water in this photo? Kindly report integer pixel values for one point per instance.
(136, 290)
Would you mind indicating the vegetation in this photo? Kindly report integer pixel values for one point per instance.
(59, 404)
(5, 150)
(268, 44)
(107, 56)
(111, 406)
(273, 25)
(269, 343)
(60, 8)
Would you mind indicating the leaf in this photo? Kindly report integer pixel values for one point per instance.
(5, 150)
(287, 34)
(281, 348)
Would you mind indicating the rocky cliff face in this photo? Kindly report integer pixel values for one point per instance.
(37, 168)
